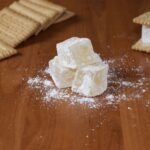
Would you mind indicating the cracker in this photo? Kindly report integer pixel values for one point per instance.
(23, 10)
(60, 9)
(17, 26)
(64, 14)
(14, 33)
(51, 14)
(68, 14)
(143, 19)
(50, 5)
(8, 38)
(140, 46)
(6, 50)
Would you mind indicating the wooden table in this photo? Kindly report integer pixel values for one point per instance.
(26, 124)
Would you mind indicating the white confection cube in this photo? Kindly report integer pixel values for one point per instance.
(61, 75)
(76, 52)
(145, 34)
(91, 80)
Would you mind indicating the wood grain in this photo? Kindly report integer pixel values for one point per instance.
(28, 124)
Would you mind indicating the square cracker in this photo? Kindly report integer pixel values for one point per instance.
(143, 19)
(66, 15)
(15, 27)
(50, 5)
(140, 46)
(63, 13)
(23, 10)
(6, 50)
(8, 38)
(50, 13)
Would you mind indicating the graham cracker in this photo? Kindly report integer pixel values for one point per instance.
(143, 19)
(23, 10)
(140, 46)
(16, 26)
(6, 50)
(50, 13)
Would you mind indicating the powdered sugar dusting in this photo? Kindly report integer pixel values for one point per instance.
(119, 83)
(51, 93)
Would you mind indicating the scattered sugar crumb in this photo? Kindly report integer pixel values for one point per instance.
(127, 83)
(110, 97)
(129, 108)
(143, 90)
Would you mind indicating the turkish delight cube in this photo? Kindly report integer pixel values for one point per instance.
(145, 34)
(91, 80)
(61, 75)
(76, 52)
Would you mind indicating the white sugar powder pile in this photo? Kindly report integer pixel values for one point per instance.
(117, 91)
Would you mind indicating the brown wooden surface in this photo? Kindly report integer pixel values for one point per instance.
(26, 124)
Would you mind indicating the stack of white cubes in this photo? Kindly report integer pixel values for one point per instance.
(79, 67)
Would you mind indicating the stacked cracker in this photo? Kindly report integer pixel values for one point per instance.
(144, 43)
(25, 18)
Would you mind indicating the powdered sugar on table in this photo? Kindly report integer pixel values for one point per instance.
(117, 91)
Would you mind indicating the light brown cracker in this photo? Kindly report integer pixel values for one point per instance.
(63, 15)
(143, 19)
(68, 14)
(23, 10)
(16, 26)
(140, 46)
(9, 39)
(50, 5)
(51, 14)
(6, 50)
(60, 9)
